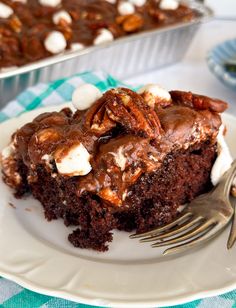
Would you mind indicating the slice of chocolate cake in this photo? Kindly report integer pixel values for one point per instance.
(123, 160)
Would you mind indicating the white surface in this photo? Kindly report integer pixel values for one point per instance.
(222, 8)
(38, 256)
(192, 74)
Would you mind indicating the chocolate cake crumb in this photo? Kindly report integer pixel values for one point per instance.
(12, 205)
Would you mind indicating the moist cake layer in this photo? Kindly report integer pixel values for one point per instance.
(127, 162)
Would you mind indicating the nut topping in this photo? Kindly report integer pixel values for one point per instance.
(15, 24)
(199, 102)
(125, 107)
(131, 23)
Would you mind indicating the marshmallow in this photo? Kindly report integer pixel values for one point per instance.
(85, 96)
(61, 15)
(154, 92)
(138, 2)
(5, 11)
(76, 46)
(169, 4)
(104, 36)
(21, 1)
(52, 3)
(55, 42)
(8, 151)
(126, 8)
(120, 158)
(111, 1)
(75, 162)
(223, 161)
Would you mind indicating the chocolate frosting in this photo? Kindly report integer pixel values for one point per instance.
(124, 136)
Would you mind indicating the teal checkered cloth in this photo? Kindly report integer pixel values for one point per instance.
(55, 93)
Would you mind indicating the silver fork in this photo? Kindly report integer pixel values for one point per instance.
(201, 220)
(232, 235)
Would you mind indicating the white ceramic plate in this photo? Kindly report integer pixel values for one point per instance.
(36, 254)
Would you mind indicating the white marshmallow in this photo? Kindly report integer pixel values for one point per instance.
(138, 2)
(156, 91)
(104, 36)
(153, 93)
(8, 151)
(120, 158)
(52, 3)
(111, 1)
(126, 8)
(85, 96)
(224, 159)
(169, 4)
(21, 1)
(61, 15)
(75, 162)
(5, 11)
(76, 46)
(55, 42)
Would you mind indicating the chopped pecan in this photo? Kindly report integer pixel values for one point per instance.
(199, 102)
(15, 24)
(125, 107)
(32, 48)
(65, 28)
(130, 23)
(158, 14)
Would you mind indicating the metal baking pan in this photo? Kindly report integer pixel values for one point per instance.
(124, 57)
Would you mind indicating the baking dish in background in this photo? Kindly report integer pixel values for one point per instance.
(122, 58)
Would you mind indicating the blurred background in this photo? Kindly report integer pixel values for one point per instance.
(192, 73)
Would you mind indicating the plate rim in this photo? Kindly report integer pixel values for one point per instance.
(24, 282)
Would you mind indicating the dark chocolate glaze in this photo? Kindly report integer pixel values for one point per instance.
(120, 151)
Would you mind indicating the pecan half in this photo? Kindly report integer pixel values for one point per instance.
(130, 23)
(199, 102)
(96, 118)
(125, 107)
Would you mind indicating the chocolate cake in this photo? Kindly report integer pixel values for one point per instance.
(123, 160)
(31, 30)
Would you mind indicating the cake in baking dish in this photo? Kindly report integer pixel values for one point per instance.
(31, 30)
(123, 160)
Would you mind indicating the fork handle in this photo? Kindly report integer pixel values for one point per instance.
(232, 235)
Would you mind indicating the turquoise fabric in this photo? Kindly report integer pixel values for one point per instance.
(55, 93)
